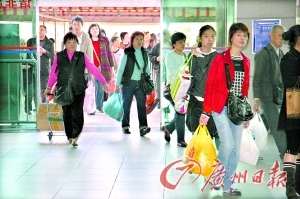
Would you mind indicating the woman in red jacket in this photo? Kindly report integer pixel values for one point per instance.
(215, 98)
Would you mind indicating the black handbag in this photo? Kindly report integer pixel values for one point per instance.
(278, 92)
(238, 107)
(64, 95)
(147, 83)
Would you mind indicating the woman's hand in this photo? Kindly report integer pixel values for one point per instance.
(246, 124)
(47, 92)
(203, 119)
(105, 87)
(117, 89)
(256, 106)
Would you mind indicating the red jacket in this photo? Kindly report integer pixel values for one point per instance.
(216, 92)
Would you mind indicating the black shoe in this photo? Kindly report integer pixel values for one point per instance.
(93, 113)
(234, 191)
(126, 131)
(167, 134)
(145, 131)
(182, 144)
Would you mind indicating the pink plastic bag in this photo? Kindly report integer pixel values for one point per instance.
(89, 105)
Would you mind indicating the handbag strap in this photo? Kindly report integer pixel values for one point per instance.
(228, 82)
(74, 65)
(96, 55)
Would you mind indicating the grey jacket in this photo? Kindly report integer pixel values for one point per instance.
(265, 69)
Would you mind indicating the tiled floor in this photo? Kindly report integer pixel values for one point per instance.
(109, 164)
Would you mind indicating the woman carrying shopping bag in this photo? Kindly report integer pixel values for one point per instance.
(216, 95)
(173, 62)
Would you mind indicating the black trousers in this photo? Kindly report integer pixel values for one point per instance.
(193, 114)
(73, 116)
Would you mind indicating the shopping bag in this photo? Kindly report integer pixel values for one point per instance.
(113, 107)
(89, 105)
(202, 149)
(293, 101)
(181, 81)
(151, 102)
(259, 132)
(249, 151)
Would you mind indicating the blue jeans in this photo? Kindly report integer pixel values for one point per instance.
(229, 150)
(134, 89)
(99, 94)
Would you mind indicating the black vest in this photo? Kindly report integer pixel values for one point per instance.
(64, 68)
(131, 61)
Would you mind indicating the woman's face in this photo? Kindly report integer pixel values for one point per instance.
(179, 45)
(71, 45)
(95, 31)
(138, 41)
(208, 39)
(239, 39)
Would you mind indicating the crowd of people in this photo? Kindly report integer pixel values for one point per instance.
(124, 57)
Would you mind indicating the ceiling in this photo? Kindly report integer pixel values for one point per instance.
(89, 14)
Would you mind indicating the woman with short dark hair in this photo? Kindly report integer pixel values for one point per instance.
(78, 61)
(174, 60)
(131, 67)
(216, 95)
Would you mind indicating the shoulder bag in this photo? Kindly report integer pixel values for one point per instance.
(146, 81)
(238, 107)
(293, 101)
(64, 95)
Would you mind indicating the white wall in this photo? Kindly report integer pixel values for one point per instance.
(247, 11)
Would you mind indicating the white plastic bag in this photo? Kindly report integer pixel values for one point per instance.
(259, 132)
(89, 105)
(249, 151)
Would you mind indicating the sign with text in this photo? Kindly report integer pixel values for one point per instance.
(261, 32)
(10, 4)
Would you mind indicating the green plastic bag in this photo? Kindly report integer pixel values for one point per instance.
(113, 107)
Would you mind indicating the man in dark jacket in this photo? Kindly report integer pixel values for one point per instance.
(154, 56)
(266, 75)
(46, 58)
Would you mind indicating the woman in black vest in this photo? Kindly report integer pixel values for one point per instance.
(63, 62)
(129, 75)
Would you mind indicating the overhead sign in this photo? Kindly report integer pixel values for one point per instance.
(261, 32)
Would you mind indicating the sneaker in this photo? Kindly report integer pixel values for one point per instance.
(126, 131)
(100, 110)
(74, 142)
(167, 133)
(233, 191)
(144, 131)
(182, 144)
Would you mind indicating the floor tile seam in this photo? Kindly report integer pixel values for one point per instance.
(24, 173)
(128, 146)
(71, 172)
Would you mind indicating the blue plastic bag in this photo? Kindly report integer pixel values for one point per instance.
(113, 107)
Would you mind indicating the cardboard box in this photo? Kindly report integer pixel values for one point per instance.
(54, 117)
